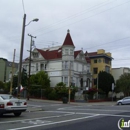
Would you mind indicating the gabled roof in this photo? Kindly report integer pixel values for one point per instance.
(68, 40)
(50, 55)
(76, 53)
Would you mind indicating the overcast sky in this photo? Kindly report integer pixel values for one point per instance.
(93, 25)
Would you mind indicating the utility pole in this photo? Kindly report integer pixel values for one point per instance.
(11, 84)
(21, 55)
(97, 86)
(29, 64)
(69, 81)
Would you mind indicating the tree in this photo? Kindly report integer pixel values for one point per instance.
(40, 80)
(105, 81)
(123, 83)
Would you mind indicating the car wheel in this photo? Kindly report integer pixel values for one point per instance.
(17, 114)
(119, 103)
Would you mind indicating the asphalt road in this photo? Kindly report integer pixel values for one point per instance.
(58, 116)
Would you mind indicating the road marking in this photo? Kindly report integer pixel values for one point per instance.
(68, 113)
(55, 122)
(35, 122)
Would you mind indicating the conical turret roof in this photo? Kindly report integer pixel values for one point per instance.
(68, 40)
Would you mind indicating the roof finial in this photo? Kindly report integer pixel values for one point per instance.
(68, 31)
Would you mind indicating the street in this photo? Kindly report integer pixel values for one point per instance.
(74, 116)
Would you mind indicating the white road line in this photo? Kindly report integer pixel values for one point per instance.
(70, 113)
(55, 122)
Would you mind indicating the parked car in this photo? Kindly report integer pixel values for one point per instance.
(10, 104)
(125, 100)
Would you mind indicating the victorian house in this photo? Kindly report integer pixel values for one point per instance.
(62, 64)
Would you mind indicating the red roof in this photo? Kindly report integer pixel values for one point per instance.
(87, 59)
(48, 55)
(92, 54)
(76, 53)
(68, 40)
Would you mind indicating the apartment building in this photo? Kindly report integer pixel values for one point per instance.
(100, 61)
(6, 69)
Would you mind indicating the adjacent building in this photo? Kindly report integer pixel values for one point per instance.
(100, 61)
(6, 69)
(117, 72)
(62, 64)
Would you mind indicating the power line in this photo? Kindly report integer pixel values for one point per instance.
(74, 15)
(108, 42)
(86, 18)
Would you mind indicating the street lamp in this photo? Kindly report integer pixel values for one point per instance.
(21, 50)
(34, 20)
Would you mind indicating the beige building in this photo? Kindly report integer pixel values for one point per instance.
(117, 72)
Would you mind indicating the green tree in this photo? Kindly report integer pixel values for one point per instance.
(40, 80)
(60, 84)
(123, 84)
(105, 81)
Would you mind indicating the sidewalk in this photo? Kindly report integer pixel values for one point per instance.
(31, 109)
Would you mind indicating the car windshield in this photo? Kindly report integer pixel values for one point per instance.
(7, 97)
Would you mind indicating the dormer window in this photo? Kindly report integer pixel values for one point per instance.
(35, 54)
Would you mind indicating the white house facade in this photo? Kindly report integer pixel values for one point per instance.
(62, 64)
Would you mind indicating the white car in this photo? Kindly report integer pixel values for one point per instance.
(10, 104)
(125, 100)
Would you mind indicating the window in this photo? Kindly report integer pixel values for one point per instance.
(45, 66)
(95, 70)
(71, 52)
(66, 80)
(107, 61)
(107, 69)
(95, 61)
(66, 51)
(36, 66)
(95, 81)
(66, 64)
(71, 64)
(42, 66)
(35, 54)
(99, 60)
